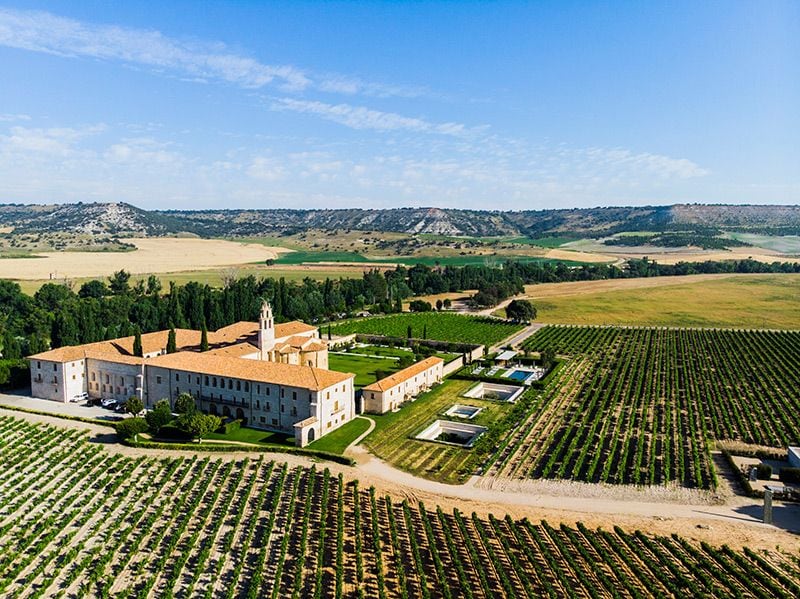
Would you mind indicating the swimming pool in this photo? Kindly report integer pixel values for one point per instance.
(519, 375)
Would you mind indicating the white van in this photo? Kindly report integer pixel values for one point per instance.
(80, 397)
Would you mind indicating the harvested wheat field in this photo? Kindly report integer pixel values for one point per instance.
(153, 255)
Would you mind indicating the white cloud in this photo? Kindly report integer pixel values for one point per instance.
(39, 31)
(10, 118)
(141, 150)
(266, 169)
(56, 140)
(44, 32)
(360, 117)
(346, 85)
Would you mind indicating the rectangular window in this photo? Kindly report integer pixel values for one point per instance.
(246, 386)
(73, 377)
(267, 390)
(230, 384)
(282, 408)
(107, 381)
(55, 368)
(258, 407)
(294, 394)
(122, 381)
(238, 385)
(158, 381)
(329, 424)
(177, 377)
(93, 376)
(282, 391)
(274, 422)
(267, 407)
(206, 379)
(38, 364)
(258, 389)
(263, 420)
(197, 380)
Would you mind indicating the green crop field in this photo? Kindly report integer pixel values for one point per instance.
(81, 521)
(455, 328)
(365, 368)
(642, 405)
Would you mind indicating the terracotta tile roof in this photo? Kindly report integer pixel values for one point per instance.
(403, 375)
(240, 331)
(157, 341)
(236, 350)
(114, 357)
(304, 377)
(70, 353)
(243, 330)
(288, 329)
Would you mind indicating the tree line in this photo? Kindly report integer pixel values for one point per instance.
(57, 315)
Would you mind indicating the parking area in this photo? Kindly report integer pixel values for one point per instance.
(21, 399)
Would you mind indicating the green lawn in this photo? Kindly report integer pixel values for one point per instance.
(456, 328)
(397, 352)
(365, 368)
(391, 440)
(251, 435)
(338, 440)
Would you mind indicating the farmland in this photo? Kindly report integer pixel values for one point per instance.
(640, 406)
(454, 328)
(79, 521)
(753, 301)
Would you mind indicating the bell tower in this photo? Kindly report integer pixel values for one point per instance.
(266, 331)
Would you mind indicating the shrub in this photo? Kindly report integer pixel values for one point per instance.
(229, 426)
(14, 374)
(789, 475)
(764, 471)
(130, 427)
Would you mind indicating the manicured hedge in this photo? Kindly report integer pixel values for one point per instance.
(222, 447)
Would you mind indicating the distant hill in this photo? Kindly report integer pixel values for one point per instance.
(124, 220)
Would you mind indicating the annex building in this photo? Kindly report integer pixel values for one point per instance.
(271, 376)
(387, 394)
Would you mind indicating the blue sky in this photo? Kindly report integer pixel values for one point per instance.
(489, 105)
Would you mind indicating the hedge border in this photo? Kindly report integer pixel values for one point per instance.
(222, 447)
(107, 423)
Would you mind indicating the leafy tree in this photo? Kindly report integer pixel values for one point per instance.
(409, 334)
(420, 306)
(521, 311)
(119, 282)
(172, 344)
(199, 425)
(548, 358)
(137, 343)
(425, 331)
(134, 406)
(159, 416)
(184, 404)
(95, 289)
(446, 304)
(131, 427)
(439, 304)
(204, 338)
(51, 296)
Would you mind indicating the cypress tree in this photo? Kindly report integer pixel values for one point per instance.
(137, 343)
(204, 338)
(172, 344)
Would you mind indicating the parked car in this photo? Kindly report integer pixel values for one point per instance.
(108, 402)
(120, 407)
(80, 397)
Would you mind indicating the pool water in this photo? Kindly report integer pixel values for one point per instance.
(519, 375)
